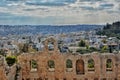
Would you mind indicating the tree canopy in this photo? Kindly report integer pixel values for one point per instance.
(82, 43)
(111, 30)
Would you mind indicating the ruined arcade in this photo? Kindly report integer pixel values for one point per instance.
(50, 64)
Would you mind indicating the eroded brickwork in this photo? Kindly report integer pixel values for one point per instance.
(59, 71)
(2, 69)
(6, 72)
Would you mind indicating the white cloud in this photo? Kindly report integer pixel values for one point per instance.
(80, 11)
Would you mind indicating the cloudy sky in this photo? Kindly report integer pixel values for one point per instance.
(59, 11)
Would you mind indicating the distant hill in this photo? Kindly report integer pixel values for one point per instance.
(44, 29)
(111, 30)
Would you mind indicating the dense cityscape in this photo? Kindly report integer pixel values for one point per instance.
(20, 54)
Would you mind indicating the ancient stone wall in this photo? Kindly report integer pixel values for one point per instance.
(50, 64)
(12, 73)
(2, 69)
(6, 72)
(79, 70)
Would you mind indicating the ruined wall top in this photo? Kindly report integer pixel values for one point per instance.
(1, 60)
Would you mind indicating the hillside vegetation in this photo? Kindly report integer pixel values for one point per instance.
(111, 30)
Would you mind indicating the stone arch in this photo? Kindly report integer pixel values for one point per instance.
(50, 44)
(91, 65)
(96, 79)
(33, 65)
(79, 66)
(69, 63)
(51, 64)
(109, 65)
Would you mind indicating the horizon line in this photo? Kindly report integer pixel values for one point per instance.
(49, 24)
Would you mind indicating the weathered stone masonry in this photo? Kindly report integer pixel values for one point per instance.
(52, 65)
(79, 70)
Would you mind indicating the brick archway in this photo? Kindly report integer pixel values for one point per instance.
(79, 66)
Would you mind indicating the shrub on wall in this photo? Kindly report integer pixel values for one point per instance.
(11, 60)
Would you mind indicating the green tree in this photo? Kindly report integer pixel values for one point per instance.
(82, 43)
(104, 49)
(104, 41)
(93, 49)
(87, 46)
(82, 51)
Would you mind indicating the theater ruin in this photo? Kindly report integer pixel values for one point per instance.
(51, 64)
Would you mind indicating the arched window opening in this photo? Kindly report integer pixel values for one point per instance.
(86, 78)
(46, 78)
(51, 65)
(74, 78)
(50, 46)
(69, 65)
(91, 64)
(80, 66)
(28, 79)
(115, 79)
(34, 65)
(109, 65)
(64, 79)
(56, 78)
(96, 79)
(40, 78)
(104, 78)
